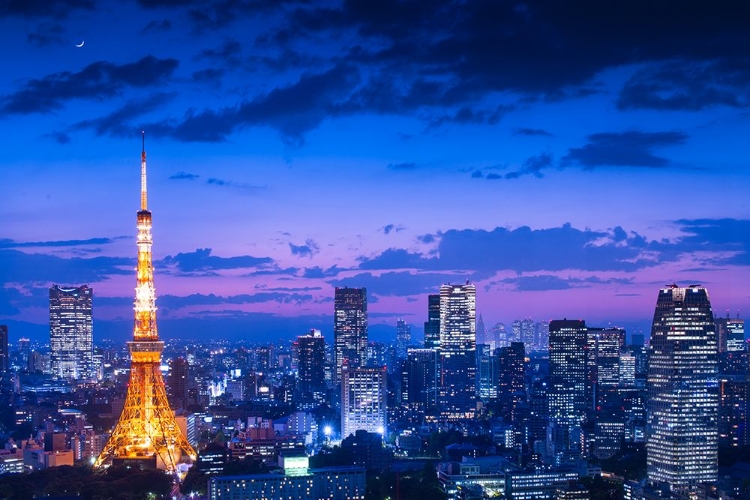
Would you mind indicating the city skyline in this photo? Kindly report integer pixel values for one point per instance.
(296, 148)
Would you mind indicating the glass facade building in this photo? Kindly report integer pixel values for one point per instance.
(71, 329)
(683, 392)
(350, 328)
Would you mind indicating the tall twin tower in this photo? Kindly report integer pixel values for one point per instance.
(147, 432)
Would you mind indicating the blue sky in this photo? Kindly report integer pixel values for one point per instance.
(569, 158)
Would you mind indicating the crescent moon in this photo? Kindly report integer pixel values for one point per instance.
(80, 44)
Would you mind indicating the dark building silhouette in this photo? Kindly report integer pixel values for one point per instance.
(418, 377)
(432, 325)
(511, 379)
(4, 352)
(178, 383)
(403, 338)
(311, 384)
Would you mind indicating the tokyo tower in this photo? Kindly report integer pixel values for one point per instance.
(146, 432)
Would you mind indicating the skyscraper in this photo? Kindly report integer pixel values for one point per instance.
(4, 353)
(403, 338)
(363, 400)
(418, 382)
(311, 384)
(432, 325)
(682, 431)
(71, 328)
(457, 397)
(567, 390)
(147, 433)
(350, 328)
(511, 377)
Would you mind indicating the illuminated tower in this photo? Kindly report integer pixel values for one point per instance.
(146, 431)
(683, 391)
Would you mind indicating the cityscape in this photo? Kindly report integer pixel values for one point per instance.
(381, 256)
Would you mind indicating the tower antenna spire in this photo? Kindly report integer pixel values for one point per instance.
(144, 195)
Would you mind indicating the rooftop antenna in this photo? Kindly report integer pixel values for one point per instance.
(144, 195)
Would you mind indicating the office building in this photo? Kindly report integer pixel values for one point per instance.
(487, 373)
(403, 338)
(418, 378)
(4, 352)
(567, 390)
(311, 384)
(350, 328)
(432, 325)
(683, 393)
(363, 400)
(71, 330)
(511, 378)
(457, 398)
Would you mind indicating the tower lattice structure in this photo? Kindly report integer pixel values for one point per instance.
(147, 428)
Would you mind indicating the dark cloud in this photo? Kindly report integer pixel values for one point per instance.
(47, 33)
(625, 149)
(43, 8)
(547, 282)
(532, 48)
(240, 186)
(211, 75)
(533, 165)
(163, 25)
(426, 238)
(309, 249)
(532, 132)
(119, 122)
(202, 260)
(318, 272)
(718, 242)
(292, 110)
(402, 166)
(21, 267)
(184, 176)
(96, 81)
(467, 115)
(391, 228)
(687, 85)
(228, 53)
(8, 243)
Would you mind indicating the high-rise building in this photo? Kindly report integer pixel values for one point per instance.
(363, 400)
(147, 433)
(457, 392)
(487, 373)
(511, 379)
(567, 390)
(730, 334)
(432, 325)
(418, 376)
(71, 329)
(4, 352)
(683, 395)
(177, 383)
(350, 328)
(603, 359)
(403, 338)
(311, 384)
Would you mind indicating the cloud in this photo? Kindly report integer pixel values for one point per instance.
(154, 26)
(309, 249)
(119, 122)
(391, 228)
(548, 282)
(8, 243)
(21, 267)
(688, 86)
(202, 260)
(47, 33)
(228, 53)
(532, 132)
(533, 165)
(318, 272)
(43, 8)
(292, 110)
(241, 186)
(96, 81)
(467, 115)
(184, 176)
(625, 149)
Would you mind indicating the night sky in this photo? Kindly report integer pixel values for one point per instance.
(570, 158)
